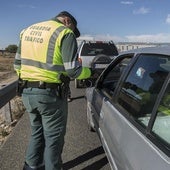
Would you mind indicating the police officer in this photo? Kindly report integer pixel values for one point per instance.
(46, 51)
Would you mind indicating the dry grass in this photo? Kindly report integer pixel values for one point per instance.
(6, 66)
(7, 74)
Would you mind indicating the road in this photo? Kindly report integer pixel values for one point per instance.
(82, 149)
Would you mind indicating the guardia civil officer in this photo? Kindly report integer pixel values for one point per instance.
(45, 59)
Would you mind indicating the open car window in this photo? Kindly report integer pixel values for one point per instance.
(113, 75)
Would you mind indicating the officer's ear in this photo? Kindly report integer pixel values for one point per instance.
(67, 21)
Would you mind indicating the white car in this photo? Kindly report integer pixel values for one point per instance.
(95, 55)
(129, 108)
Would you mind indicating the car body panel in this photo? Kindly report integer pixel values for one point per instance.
(126, 142)
(124, 134)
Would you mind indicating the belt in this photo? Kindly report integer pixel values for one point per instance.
(42, 85)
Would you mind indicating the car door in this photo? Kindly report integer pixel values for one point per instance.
(127, 115)
(102, 95)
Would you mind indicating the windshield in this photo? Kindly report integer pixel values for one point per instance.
(92, 49)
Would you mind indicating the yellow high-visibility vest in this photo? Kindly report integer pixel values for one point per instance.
(40, 52)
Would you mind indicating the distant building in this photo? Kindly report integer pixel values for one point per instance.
(124, 46)
(2, 52)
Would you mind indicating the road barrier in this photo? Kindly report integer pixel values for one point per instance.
(7, 93)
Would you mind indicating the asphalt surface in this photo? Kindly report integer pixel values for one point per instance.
(82, 149)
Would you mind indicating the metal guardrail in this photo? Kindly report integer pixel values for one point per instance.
(7, 92)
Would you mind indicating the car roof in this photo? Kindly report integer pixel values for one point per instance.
(165, 50)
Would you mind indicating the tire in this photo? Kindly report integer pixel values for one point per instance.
(100, 59)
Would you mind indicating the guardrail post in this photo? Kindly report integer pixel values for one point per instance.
(7, 113)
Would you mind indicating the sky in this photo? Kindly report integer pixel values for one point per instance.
(116, 20)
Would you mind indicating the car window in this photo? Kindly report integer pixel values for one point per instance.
(92, 49)
(161, 125)
(112, 77)
(140, 89)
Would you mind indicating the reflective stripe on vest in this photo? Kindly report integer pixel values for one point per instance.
(44, 66)
(50, 52)
(51, 45)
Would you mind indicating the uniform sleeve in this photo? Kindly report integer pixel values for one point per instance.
(17, 60)
(72, 66)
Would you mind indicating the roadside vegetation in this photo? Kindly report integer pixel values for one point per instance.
(8, 74)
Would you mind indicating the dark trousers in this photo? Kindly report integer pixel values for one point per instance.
(48, 117)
